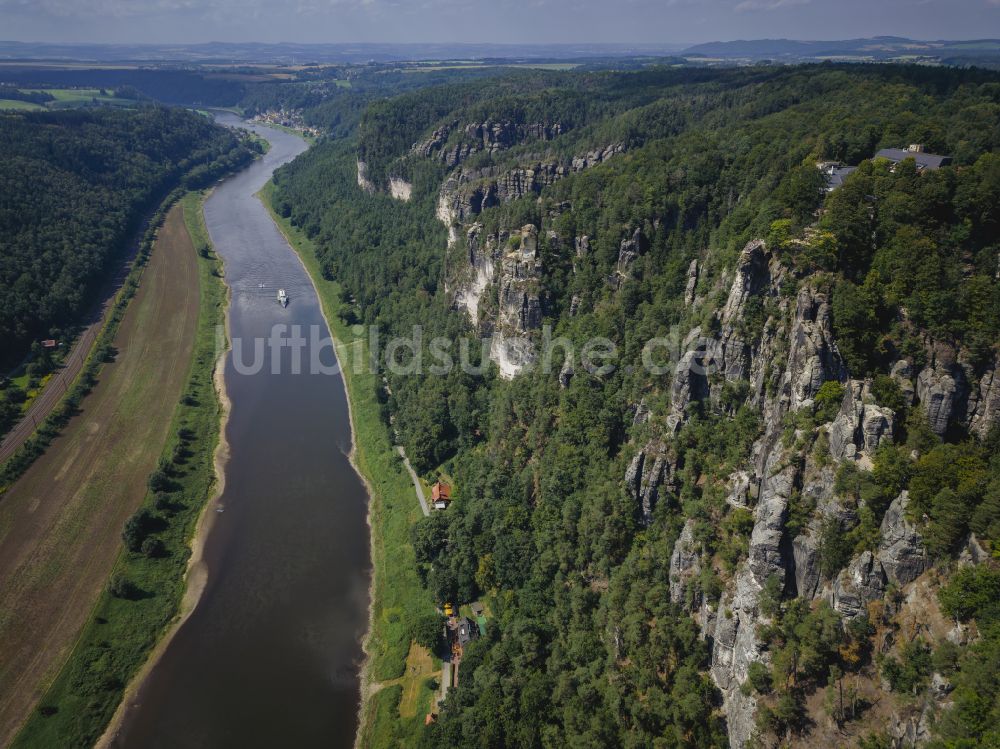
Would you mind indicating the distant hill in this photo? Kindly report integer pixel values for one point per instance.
(876, 48)
(287, 52)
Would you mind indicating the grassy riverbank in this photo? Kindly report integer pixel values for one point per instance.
(398, 597)
(146, 587)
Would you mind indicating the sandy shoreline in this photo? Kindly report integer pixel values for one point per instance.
(196, 575)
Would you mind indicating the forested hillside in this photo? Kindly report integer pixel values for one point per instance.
(786, 532)
(75, 186)
(169, 86)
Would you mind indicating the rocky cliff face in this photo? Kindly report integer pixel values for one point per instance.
(778, 384)
(685, 566)
(467, 192)
(951, 394)
(785, 362)
(984, 412)
(860, 426)
(813, 356)
(817, 487)
(508, 262)
(400, 189)
(519, 304)
(739, 357)
(899, 559)
(771, 341)
(941, 389)
(900, 552)
(481, 254)
(363, 182)
(648, 472)
(736, 643)
(452, 144)
(630, 250)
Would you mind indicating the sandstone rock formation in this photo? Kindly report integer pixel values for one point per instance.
(520, 309)
(490, 136)
(647, 473)
(692, 283)
(685, 563)
(363, 182)
(986, 414)
(466, 193)
(818, 490)
(736, 644)
(629, 251)
(813, 357)
(863, 581)
(861, 425)
(481, 254)
(941, 391)
(901, 552)
(400, 189)
(902, 373)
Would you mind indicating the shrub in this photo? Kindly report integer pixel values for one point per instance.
(789, 713)
(949, 517)
(759, 677)
(945, 658)
(137, 528)
(159, 481)
(780, 234)
(887, 393)
(971, 592)
(910, 673)
(875, 741)
(122, 587)
(828, 400)
(835, 547)
(163, 502)
(770, 596)
(427, 630)
(153, 548)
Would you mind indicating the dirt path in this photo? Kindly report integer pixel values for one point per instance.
(416, 481)
(60, 524)
(419, 669)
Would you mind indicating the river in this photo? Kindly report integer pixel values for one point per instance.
(271, 655)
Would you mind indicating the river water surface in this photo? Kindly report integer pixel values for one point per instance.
(271, 655)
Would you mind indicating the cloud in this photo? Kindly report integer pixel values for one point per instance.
(141, 8)
(102, 8)
(751, 5)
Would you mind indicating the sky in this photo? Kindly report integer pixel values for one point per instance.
(497, 21)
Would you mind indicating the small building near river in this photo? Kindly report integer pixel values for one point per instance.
(440, 495)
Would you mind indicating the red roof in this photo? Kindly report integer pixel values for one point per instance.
(49, 343)
(440, 490)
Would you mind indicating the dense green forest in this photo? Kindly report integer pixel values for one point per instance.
(75, 187)
(167, 86)
(589, 645)
(336, 98)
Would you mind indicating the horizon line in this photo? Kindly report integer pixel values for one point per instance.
(502, 44)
